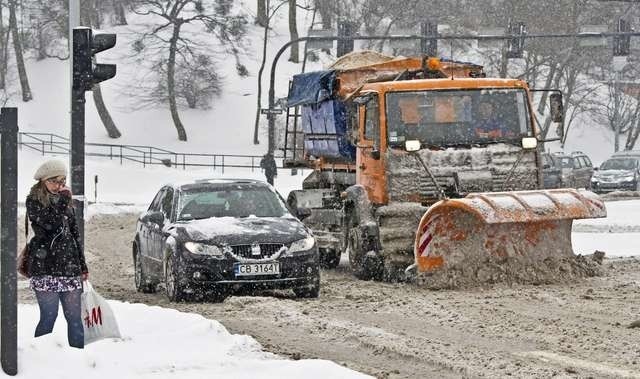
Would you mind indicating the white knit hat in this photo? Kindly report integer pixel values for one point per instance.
(50, 169)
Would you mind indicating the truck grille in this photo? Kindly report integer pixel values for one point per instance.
(266, 250)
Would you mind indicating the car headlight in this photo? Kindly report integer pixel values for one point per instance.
(629, 178)
(303, 244)
(202, 249)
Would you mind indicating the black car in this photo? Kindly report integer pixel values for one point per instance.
(218, 237)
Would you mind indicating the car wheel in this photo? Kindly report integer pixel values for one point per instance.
(172, 280)
(140, 278)
(329, 258)
(310, 292)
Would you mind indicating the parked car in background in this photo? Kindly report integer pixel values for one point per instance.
(551, 171)
(218, 237)
(561, 170)
(582, 171)
(620, 172)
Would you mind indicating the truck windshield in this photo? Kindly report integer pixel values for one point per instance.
(457, 117)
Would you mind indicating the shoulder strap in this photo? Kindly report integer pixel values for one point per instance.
(26, 226)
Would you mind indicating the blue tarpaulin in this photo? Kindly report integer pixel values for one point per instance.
(311, 88)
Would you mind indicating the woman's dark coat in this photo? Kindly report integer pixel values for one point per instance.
(55, 249)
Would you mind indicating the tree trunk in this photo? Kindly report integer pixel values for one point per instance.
(42, 45)
(171, 70)
(105, 117)
(261, 17)
(22, 72)
(118, 11)
(326, 13)
(547, 84)
(293, 30)
(3, 56)
(256, 141)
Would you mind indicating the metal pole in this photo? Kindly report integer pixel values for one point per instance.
(77, 158)
(9, 231)
(74, 21)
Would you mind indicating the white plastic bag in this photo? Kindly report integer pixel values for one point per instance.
(97, 317)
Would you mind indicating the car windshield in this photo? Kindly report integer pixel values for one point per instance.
(237, 201)
(457, 117)
(565, 162)
(619, 164)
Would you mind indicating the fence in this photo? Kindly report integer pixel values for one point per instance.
(47, 143)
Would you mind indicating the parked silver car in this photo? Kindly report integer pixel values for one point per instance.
(620, 172)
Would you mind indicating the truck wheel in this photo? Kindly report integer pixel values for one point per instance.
(329, 258)
(140, 278)
(364, 266)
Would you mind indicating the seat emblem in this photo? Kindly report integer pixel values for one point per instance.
(255, 249)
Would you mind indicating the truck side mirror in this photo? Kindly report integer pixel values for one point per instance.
(557, 108)
(303, 212)
(375, 154)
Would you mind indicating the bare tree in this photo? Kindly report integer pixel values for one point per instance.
(261, 16)
(22, 72)
(215, 16)
(3, 50)
(120, 17)
(327, 11)
(293, 31)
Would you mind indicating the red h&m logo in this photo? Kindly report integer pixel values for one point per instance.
(95, 318)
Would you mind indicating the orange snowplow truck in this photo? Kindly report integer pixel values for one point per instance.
(427, 167)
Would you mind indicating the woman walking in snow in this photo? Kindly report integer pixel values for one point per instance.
(56, 262)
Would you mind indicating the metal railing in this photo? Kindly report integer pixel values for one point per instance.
(48, 143)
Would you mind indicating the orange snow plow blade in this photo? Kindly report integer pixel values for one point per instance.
(520, 236)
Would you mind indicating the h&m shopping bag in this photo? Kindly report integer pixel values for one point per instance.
(97, 317)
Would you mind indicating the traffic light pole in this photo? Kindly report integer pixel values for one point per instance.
(9, 229)
(271, 111)
(77, 157)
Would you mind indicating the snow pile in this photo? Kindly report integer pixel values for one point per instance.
(158, 343)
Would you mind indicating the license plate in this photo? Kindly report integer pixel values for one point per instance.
(252, 269)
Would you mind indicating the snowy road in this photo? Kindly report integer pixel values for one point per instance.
(400, 331)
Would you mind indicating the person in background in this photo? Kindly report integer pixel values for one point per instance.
(489, 125)
(56, 262)
(268, 164)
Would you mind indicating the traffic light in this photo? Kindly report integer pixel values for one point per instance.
(621, 44)
(429, 47)
(345, 29)
(85, 47)
(515, 45)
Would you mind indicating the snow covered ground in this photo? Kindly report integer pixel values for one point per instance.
(158, 343)
(617, 234)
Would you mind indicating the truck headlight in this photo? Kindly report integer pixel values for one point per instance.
(202, 249)
(302, 245)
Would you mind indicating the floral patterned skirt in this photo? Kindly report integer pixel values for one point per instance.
(50, 283)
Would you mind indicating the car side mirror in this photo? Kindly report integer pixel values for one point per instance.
(546, 165)
(303, 212)
(153, 217)
(596, 169)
